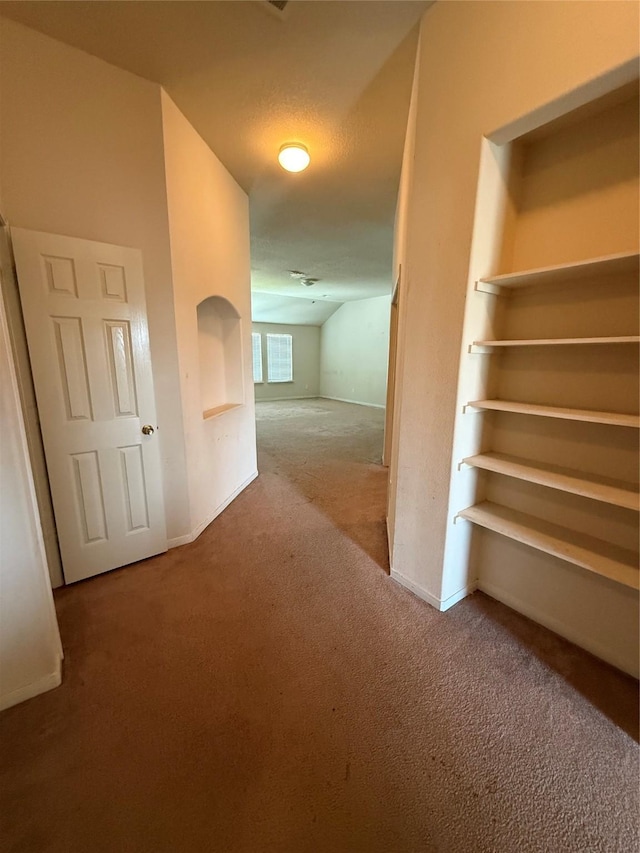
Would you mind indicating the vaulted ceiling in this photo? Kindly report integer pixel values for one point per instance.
(333, 75)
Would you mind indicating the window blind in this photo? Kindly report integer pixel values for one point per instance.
(279, 358)
(256, 345)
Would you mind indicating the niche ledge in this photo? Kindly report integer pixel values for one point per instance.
(220, 356)
(220, 410)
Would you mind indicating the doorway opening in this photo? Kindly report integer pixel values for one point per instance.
(325, 456)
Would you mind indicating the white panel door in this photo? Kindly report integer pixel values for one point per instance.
(85, 317)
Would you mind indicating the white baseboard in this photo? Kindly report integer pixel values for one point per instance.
(320, 397)
(447, 603)
(585, 641)
(355, 402)
(281, 399)
(177, 541)
(439, 604)
(47, 682)
(190, 537)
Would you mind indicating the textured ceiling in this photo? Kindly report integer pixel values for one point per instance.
(333, 75)
(273, 308)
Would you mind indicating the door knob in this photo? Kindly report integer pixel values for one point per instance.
(147, 429)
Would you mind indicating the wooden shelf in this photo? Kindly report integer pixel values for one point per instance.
(219, 410)
(589, 553)
(608, 265)
(609, 418)
(546, 342)
(602, 489)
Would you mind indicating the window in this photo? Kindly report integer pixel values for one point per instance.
(279, 358)
(256, 346)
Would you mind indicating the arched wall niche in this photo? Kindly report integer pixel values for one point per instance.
(220, 356)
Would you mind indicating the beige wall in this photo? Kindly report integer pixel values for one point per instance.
(30, 651)
(306, 363)
(482, 66)
(209, 228)
(400, 269)
(81, 154)
(354, 352)
(577, 193)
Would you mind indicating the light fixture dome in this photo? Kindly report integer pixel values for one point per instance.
(293, 157)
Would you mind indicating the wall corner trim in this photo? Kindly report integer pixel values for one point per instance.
(35, 688)
(191, 537)
(439, 604)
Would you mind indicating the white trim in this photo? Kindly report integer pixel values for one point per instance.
(355, 402)
(177, 541)
(190, 537)
(47, 682)
(280, 399)
(439, 604)
(318, 397)
(585, 640)
(447, 603)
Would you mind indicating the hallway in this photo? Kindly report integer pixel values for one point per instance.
(328, 453)
(268, 688)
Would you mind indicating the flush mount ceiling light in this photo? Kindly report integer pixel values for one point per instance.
(293, 157)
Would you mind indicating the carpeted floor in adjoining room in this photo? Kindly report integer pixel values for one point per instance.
(269, 688)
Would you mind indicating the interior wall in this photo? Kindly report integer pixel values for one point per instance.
(209, 230)
(81, 154)
(354, 352)
(30, 650)
(402, 275)
(482, 66)
(306, 363)
(577, 194)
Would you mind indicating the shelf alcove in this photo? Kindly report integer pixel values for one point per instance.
(220, 356)
(545, 468)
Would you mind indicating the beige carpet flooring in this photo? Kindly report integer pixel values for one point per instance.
(269, 688)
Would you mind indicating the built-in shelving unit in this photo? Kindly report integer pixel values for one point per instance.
(595, 555)
(546, 442)
(604, 489)
(625, 263)
(589, 553)
(548, 342)
(610, 418)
